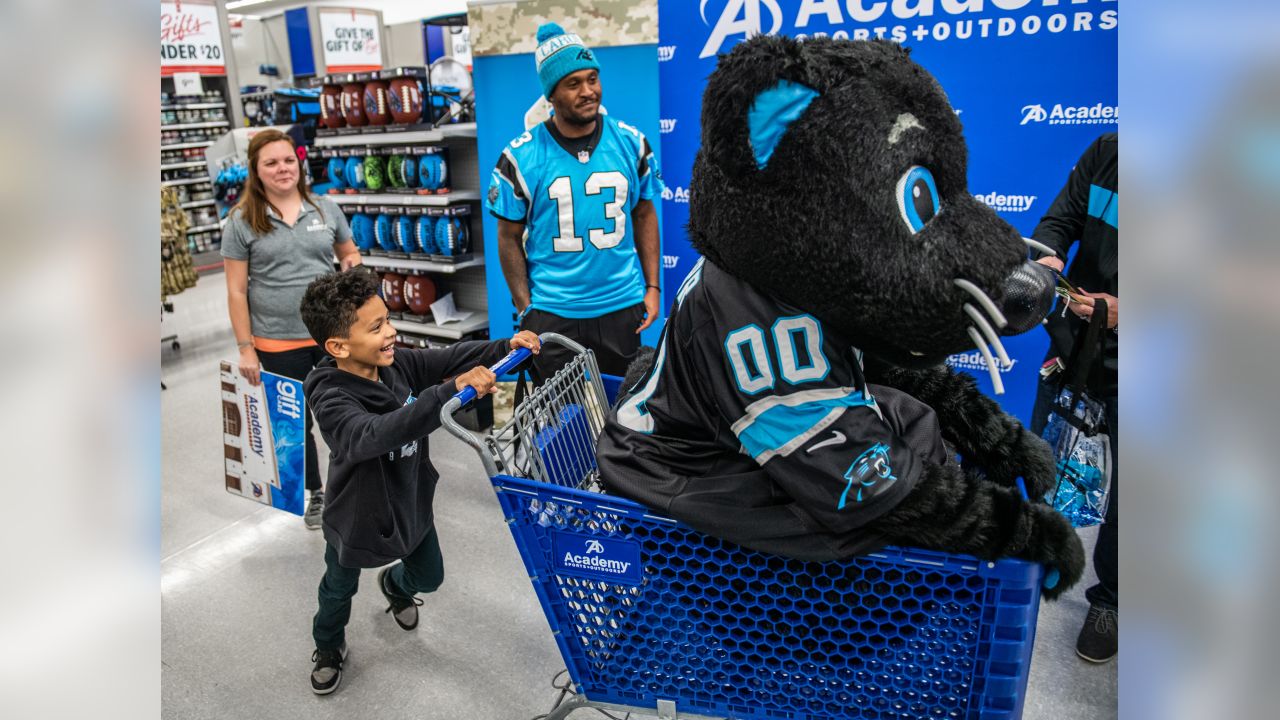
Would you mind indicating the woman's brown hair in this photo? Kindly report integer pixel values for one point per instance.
(253, 204)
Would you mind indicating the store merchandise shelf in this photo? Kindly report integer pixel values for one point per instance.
(195, 126)
(387, 199)
(196, 203)
(408, 137)
(193, 106)
(203, 228)
(377, 261)
(184, 146)
(452, 331)
(185, 181)
(179, 166)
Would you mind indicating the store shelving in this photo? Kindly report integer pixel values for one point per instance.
(451, 331)
(404, 199)
(195, 126)
(386, 263)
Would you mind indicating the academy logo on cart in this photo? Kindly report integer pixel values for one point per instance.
(679, 195)
(1006, 203)
(667, 125)
(666, 52)
(596, 558)
(1059, 114)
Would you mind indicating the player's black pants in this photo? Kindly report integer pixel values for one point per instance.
(613, 337)
(296, 364)
(421, 571)
(1106, 552)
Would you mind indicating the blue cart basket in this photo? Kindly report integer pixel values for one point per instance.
(654, 617)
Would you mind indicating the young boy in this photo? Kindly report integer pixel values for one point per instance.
(375, 405)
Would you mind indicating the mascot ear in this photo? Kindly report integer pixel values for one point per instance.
(771, 113)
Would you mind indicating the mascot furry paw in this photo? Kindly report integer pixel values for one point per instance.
(797, 403)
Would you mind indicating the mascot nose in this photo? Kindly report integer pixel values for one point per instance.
(1028, 297)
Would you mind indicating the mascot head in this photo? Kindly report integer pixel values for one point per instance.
(832, 177)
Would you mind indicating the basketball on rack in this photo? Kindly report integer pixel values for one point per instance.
(406, 100)
(393, 291)
(419, 293)
(353, 104)
(376, 106)
(331, 107)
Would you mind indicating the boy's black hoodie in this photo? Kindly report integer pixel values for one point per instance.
(381, 481)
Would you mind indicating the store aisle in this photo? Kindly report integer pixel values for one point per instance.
(239, 588)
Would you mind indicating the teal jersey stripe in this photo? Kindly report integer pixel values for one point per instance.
(781, 428)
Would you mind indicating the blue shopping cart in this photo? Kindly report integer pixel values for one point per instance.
(654, 617)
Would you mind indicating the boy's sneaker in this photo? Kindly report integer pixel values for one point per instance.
(327, 673)
(403, 609)
(1099, 638)
(315, 509)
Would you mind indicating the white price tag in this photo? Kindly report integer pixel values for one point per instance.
(187, 83)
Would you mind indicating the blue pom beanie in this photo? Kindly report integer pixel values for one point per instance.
(559, 54)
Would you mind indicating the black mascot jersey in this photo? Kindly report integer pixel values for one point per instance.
(755, 424)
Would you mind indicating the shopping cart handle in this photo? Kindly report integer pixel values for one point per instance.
(504, 366)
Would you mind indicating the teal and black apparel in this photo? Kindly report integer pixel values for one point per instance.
(1087, 211)
(380, 495)
(575, 197)
(755, 424)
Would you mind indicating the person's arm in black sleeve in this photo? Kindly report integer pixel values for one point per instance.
(1064, 222)
(354, 432)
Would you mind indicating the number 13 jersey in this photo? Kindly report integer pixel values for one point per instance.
(579, 238)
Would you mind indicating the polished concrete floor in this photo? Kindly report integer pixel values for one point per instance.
(239, 589)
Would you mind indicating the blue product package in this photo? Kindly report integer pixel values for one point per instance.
(566, 449)
(1084, 463)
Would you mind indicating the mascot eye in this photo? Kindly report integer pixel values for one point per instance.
(917, 198)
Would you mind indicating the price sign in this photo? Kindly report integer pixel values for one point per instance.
(352, 40)
(189, 38)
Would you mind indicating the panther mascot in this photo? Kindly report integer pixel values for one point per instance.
(797, 402)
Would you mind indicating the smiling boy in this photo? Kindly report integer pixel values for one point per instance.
(375, 404)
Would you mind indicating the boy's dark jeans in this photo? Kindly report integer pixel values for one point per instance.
(421, 571)
(296, 364)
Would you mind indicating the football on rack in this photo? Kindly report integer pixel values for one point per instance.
(352, 101)
(406, 100)
(376, 107)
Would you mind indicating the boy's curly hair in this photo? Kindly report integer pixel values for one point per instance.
(330, 303)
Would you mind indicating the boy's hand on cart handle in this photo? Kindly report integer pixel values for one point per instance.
(526, 339)
(478, 378)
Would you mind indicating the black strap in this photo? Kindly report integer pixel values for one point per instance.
(1088, 346)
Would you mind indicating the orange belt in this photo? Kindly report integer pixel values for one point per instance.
(278, 345)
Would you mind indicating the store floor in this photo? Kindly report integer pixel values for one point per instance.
(239, 589)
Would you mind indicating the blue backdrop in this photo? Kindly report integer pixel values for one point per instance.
(506, 87)
(1017, 71)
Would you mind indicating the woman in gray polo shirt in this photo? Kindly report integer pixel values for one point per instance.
(278, 239)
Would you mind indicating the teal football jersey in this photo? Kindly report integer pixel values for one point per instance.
(576, 208)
